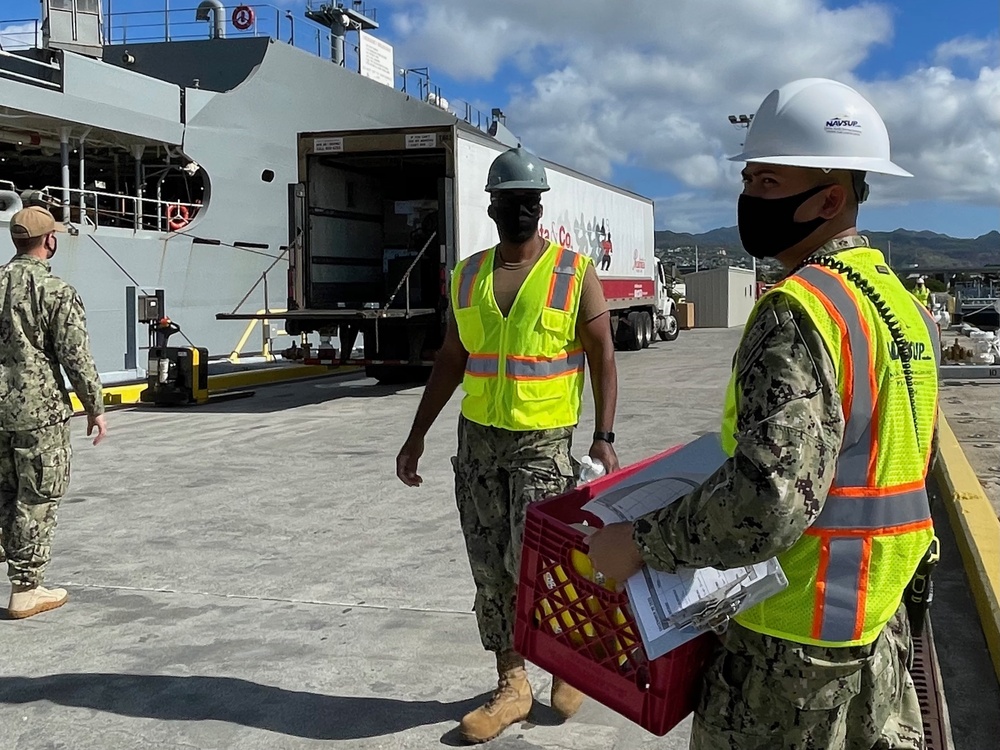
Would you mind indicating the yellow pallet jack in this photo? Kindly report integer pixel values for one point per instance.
(177, 375)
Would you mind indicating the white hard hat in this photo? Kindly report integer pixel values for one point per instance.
(819, 124)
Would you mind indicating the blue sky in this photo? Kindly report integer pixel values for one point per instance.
(639, 96)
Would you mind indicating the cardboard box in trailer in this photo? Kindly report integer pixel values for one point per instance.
(379, 218)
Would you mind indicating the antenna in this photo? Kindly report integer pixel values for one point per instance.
(340, 20)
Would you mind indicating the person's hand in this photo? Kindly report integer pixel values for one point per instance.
(406, 462)
(603, 451)
(613, 553)
(102, 427)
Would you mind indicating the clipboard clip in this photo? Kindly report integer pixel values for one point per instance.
(717, 609)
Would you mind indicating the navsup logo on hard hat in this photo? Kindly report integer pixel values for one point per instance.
(843, 125)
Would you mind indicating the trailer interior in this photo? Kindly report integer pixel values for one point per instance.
(373, 253)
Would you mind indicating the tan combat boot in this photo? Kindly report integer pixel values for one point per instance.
(566, 699)
(510, 703)
(25, 601)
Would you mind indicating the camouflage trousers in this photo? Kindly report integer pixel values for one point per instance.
(497, 474)
(34, 475)
(761, 692)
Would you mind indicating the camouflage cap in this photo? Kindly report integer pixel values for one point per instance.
(33, 221)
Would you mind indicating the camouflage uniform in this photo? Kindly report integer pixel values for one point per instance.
(497, 474)
(761, 691)
(42, 326)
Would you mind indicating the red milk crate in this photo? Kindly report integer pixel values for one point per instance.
(585, 633)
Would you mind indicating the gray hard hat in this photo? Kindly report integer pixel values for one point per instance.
(517, 169)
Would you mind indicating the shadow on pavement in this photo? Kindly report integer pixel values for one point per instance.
(281, 396)
(235, 701)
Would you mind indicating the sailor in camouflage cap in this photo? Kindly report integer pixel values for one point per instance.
(43, 328)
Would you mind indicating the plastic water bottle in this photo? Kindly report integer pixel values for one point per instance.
(590, 470)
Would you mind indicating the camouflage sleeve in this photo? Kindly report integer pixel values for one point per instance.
(68, 323)
(789, 430)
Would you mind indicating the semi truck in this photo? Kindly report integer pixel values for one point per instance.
(379, 218)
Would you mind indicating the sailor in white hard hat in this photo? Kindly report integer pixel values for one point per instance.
(828, 429)
(810, 145)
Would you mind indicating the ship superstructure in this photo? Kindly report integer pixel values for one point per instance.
(167, 139)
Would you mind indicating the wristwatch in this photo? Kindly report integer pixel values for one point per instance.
(607, 437)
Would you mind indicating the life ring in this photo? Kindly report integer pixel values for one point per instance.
(243, 17)
(177, 216)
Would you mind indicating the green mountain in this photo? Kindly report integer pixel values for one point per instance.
(722, 247)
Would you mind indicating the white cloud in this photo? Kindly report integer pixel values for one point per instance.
(946, 131)
(648, 83)
(971, 49)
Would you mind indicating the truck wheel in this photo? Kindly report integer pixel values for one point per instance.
(672, 329)
(627, 339)
(648, 335)
(398, 374)
(630, 332)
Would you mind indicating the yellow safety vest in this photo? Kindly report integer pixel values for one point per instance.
(525, 371)
(848, 572)
(923, 295)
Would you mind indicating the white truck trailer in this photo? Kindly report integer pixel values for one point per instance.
(379, 218)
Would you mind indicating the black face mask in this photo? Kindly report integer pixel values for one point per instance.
(52, 250)
(768, 227)
(516, 218)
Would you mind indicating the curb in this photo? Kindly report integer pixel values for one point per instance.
(977, 530)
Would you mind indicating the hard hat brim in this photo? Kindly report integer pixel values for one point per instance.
(854, 163)
(518, 185)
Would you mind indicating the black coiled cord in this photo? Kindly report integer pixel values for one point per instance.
(902, 345)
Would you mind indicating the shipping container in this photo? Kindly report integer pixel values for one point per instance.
(723, 297)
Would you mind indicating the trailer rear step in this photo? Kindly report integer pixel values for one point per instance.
(345, 315)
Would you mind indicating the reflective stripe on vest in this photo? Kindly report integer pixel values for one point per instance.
(856, 463)
(843, 569)
(877, 511)
(561, 288)
(526, 368)
(537, 368)
(483, 365)
(467, 279)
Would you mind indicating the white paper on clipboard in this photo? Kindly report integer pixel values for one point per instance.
(672, 608)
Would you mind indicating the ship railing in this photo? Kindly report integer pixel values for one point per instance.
(21, 68)
(168, 24)
(96, 209)
(179, 24)
(431, 93)
(20, 33)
